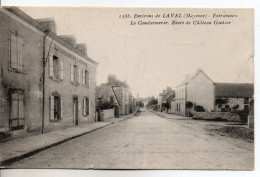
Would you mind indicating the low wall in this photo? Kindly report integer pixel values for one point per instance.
(108, 113)
(217, 115)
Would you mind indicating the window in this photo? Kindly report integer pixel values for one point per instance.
(75, 75)
(16, 47)
(85, 78)
(56, 105)
(17, 118)
(85, 107)
(55, 68)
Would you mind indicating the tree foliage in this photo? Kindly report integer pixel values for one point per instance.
(152, 101)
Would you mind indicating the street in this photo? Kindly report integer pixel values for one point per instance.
(147, 141)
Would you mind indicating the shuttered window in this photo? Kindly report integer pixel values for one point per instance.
(75, 75)
(56, 108)
(55, 68)
(85, 107)
(79, 75)
(51, 73)
(72, 73)
(75, 72)
(16, 47)
(87, 79)
(85, 76)
(17, 115)
(61, 70)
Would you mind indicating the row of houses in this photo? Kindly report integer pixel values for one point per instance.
(117, 97)
(198, 93)
(46, 81)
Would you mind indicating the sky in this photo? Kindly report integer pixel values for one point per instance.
(151, 57)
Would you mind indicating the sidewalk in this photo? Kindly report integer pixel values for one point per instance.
(20, 148)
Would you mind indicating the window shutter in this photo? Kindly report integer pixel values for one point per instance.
(61, 107)
(51, 65)
(83, 77)
(79, 74)
(88, 79)
(52, 108)
(71, 73)
(13, 52)
(61, 70)
(20, 53)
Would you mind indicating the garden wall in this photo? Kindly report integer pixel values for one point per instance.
(217, 115)
(108, 113)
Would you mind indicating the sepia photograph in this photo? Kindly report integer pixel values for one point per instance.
(127, 88)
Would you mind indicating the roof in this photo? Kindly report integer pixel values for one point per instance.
(191, 76)
(104, 92)
(169, 94)
(17, 12)
(234, 89)
(170, 97)
(119, 93)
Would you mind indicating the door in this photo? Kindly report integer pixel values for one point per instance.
(116, 111)
(75, 111)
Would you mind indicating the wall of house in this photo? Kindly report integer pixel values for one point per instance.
(173, 106)
(200, 91)
(180, 98)
(126, 101)
(68, 90)
(27, 81)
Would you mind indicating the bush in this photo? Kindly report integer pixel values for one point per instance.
(106, 105)
(199, 109)
(189, 104)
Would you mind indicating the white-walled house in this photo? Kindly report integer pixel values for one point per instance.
(200, 90)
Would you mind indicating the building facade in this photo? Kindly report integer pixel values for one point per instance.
(199, 91)
(46, 81)
(124, 96)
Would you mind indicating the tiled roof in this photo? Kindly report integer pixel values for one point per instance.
(234, 90)
(119, 94)
(17, 12)
(104, 92)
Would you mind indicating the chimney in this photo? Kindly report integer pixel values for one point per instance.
(82, 48)
(48, 23)
(70, 39)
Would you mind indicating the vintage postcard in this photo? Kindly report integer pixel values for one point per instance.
(127, 88)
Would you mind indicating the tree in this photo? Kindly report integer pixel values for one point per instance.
(152, 101)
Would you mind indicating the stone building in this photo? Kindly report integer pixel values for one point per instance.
(200, 91)
(164, 99)
(46, 81)
(106, 99)
(124, 97)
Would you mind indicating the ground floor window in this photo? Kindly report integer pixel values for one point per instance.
(56, 112)
(17, 116)
(85, 106)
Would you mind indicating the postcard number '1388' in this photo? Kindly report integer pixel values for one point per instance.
(125, 16)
